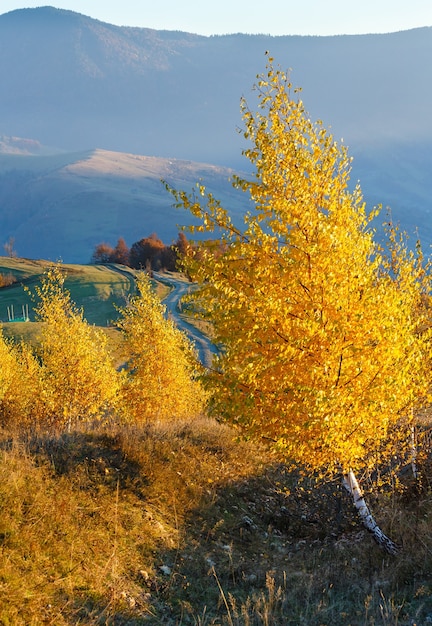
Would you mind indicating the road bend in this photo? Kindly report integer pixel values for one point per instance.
(204, 347)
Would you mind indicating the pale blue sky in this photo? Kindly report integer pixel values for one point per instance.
(278, 17)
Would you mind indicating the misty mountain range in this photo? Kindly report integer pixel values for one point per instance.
(78, 94)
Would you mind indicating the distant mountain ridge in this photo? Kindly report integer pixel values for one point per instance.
(23, 146)
(78, 84)
(75, 82)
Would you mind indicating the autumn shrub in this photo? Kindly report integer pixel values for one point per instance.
(7, 279)
(8, 372)
(23, 408)
(20, 391)
(78, 377)
(8, 362)
(162, 367)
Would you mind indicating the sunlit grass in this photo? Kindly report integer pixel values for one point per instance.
(86, 516)
(178, 523)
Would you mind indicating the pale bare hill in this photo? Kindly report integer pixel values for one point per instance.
(61, 206)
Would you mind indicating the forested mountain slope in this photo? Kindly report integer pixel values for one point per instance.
(77, 84)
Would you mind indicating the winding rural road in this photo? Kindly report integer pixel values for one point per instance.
(205, 348)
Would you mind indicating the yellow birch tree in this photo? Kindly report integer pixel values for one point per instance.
(20, 385)
(8, 366)
(161, 363)
(79, 379)
(325, 335)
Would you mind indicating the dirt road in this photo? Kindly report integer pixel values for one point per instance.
(205, 348)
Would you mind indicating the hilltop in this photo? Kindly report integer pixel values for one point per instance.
(60, 206)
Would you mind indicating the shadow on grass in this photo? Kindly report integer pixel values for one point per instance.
(270, 549)
(199, 529)
(97, 457)
(261, 550)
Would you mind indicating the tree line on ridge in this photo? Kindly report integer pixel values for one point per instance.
(149, 253)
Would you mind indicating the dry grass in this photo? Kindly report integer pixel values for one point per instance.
(86, 516)
(177, 523)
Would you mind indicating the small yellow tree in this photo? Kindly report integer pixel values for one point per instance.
(20, 390)
(325, 340)
(8, 374)
(8, 361)
(162, 365)
(79, 379)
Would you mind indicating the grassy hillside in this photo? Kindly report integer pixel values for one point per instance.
(95, 288)
(179, 523)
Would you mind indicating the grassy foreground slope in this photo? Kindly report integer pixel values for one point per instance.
(176, 522)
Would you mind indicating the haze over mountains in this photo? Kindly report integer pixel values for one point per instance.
(61, 206)
(76, 85)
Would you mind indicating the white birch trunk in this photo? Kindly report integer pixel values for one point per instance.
(414, 452)
(351, 485)
(413, 446)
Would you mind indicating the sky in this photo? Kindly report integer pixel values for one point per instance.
(278, 17)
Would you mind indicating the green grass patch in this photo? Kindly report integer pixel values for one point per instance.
(98, 289)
